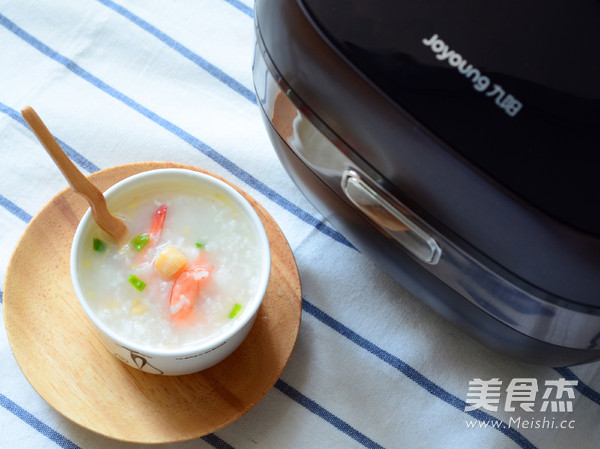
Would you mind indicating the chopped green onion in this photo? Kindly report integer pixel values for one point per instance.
(136, 282)
(236, 309)
(199, 245)
(99, 245)
(139, 241)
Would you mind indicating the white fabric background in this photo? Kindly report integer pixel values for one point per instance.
(165, 81)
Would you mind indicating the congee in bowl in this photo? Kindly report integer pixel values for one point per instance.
(183, 291)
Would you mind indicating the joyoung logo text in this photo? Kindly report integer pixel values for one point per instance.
(481, 83)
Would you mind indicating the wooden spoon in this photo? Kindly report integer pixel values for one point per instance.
(77, 180)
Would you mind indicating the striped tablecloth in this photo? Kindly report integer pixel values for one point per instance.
(136, 80)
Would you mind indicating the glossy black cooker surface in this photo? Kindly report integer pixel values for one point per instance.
(456, 151)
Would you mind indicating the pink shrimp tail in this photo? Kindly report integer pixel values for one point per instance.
(157, 223)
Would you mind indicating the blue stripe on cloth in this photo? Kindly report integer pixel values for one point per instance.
(73, 155)
(243, 8)
(38, 425)
(411, 373)
(182, 50)
(216, 442)
(318, 410)
(1, 296)
(584, 389)
(14, 209)
(177, 131)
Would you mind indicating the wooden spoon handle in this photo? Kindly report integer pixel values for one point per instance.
(78, 182)
(76, 179)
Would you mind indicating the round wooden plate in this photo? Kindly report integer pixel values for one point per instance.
(56, 348)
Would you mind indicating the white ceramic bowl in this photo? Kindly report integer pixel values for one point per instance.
(191, 357)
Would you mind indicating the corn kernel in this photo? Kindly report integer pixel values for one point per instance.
(137, 308)
(169, 261)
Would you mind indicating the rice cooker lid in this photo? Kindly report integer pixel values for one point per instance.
(512, 86)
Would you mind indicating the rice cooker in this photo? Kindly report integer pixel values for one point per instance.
(456, 144)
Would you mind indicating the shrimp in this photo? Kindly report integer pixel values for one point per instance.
(186, 290)
(142, 242)
(158, 220)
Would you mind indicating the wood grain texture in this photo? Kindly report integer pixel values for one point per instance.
(60, 355)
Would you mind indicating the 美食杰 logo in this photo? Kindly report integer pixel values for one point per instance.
(522, 395)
